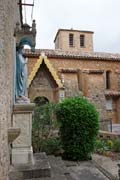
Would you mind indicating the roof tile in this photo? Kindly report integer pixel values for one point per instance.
(75, 54)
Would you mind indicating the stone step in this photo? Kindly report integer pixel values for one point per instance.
(57, 165)
(61, 177)
(40, 168)
(59, 169)
(54, 169)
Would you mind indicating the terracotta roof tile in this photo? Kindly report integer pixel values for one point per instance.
(112, 93)
(75, 54)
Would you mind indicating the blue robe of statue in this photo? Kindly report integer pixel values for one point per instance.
(21, 74)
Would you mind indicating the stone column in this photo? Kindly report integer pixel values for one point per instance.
(22, 151)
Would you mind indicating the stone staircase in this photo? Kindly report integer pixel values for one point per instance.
(44, 168)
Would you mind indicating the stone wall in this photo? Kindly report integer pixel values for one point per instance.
(104, 65)
(92, 85)
(95, 92)
(9, 14)
(71, 84)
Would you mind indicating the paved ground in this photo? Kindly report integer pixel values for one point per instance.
(109, 165)
(100, 168)
(85, 171)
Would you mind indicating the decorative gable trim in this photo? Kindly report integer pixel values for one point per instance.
(44, 59)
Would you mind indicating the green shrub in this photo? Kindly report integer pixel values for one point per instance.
(51, 145)
(101, 146)
(116, 145)
(78, 127)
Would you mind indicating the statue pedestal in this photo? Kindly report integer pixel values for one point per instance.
(22, 152)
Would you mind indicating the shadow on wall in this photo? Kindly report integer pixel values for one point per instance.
(40, 100)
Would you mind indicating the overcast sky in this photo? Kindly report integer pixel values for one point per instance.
(100, 16)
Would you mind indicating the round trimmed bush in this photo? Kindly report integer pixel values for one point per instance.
(79, 124)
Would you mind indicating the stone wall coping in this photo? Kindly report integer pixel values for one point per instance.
(112, 93)
(109, 135)
(22, 107)
(93, 71)
(68, 70)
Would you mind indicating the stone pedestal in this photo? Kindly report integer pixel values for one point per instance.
(22, 152)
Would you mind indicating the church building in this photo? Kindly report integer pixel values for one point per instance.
(73, 68)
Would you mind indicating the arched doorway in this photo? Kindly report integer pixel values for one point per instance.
(41, 100)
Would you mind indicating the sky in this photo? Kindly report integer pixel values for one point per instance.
(100, 16)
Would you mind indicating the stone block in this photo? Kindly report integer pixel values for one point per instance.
(21, 155)
(40, 168)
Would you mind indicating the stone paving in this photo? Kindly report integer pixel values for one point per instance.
(70, 170)
(85, 171)
(107, 164)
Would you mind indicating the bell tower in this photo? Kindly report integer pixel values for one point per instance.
(74, 40)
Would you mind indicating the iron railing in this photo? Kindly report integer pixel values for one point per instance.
(106, 125)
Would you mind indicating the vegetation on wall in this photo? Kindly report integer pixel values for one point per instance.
(79, 124)
(44, 123)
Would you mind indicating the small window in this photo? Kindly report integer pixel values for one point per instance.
(109, 104)
(107, 79)
(82, 41)
(71, 40)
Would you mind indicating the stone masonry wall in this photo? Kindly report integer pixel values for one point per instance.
(95, 93)
(71, 84)
(62, 63)
(89, 89)
(62, 41)
(43, 85)
(112, 66)
(9, 14)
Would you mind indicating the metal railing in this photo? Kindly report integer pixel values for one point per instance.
(106, 125)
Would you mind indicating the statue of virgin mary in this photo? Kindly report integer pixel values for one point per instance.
(21, 77)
